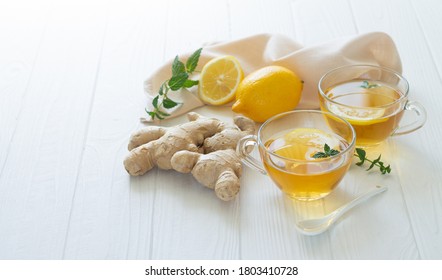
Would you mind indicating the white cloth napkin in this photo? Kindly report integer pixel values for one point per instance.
(309, 63)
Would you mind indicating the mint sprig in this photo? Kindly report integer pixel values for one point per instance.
(327, 152)
(361, 154)
(180, 79)
(367, 85)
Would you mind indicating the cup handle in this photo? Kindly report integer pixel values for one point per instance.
(421, 115)
(242, 149)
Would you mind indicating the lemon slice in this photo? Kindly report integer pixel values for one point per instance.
(359, 116)
(219, 80)
(303, 143)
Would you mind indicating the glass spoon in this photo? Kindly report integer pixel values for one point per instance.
(319, 225)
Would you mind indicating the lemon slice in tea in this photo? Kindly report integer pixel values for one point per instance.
(303, 143)
(359, 116)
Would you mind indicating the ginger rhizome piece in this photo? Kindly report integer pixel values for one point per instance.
(229, 136)
(219, 170)
(203, 146)
(155, 146)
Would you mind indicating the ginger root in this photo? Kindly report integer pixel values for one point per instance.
(219, 170)
(155, 146)
(203, 146)
(230, 135)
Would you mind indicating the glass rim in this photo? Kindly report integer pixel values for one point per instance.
(404, 94)
(281, 115)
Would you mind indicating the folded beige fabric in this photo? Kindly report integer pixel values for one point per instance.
(309, 63)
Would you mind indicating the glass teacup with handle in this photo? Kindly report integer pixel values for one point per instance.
(372, 99)
(306, 153)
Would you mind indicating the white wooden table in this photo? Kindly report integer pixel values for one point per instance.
(71, 93)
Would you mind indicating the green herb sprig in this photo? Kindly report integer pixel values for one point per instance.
(366, 84)
(180, 79)
(327, 152)
(361, 154)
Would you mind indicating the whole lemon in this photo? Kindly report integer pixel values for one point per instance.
(267, 92)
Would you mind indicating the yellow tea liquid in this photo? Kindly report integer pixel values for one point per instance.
(364, 104)
(296, 172)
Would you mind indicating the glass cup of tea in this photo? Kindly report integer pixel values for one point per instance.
(306, 153)
(372, 99)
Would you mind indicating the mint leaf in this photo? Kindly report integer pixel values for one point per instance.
(366, 84)
(361, 154)
(177, 82)
(320, 155)
(374, 162)
(155, 102)
(177, 67)
(326, 148)
(151, 114)
(161, 90)
(327, 152)
(158, 115)
(385, 169)
(190, 83)
(169, 103)
(192, 61)
(161, 113)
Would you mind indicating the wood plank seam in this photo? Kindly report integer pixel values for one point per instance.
(19, 114)
(91, 105)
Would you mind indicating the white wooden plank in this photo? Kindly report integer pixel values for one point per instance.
(250, 17)
(263, 225)
(268, 217)
(189, 221)
(336, 243)
(193, 23)
(386, 215)
(417, 161)
(321, 21)
(318, 21)
(130, 218)
(17, 57)
(427, 85)
(40, 173)
(112, 213)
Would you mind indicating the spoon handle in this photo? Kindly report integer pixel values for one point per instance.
(343, 209)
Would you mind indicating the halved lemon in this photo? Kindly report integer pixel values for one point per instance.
(219, 80)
